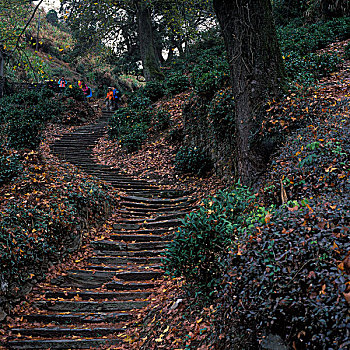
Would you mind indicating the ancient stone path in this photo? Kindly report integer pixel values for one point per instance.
(120, 275)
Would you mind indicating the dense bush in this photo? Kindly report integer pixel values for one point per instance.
(210, 74)
(10, 166)
(161, 120)
(130, 127)
(176, 83)
(24, 114)
(305, 69)
(24, 131)
(289, 276)
(153, 90)
(221, 110)
(75, 92)
(298, 45)
(45, 218)
(347, 51)
(192, 160)
(309, 38)
(200, 244)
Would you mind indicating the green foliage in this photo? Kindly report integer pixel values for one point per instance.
(75, 92)
(10, 166)
(347, 51)
(176, 83)
(161, 120)
(210, 74)
(201, 243)
(52, 18)
(24, 114)
(134, 138)
(192, 160)
(310, 38)
(139, 102)
(153, 90)
(221, 110)
(45, 218)
(287, 276)
(24, 130)
(305, 69)
(130, 127)
(298, 45)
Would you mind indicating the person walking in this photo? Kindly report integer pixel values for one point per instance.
(109, 99)
(116, 97)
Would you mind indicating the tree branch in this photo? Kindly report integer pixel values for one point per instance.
(26, 26)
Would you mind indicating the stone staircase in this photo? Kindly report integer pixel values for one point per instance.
(87, 308)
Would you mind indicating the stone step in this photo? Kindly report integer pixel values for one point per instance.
(131, 254)
(127, 268)
(168, 216)
(62, 343)
(157, 200)
(111, 260)
(66, 331)
(132, 285)
(80, 318)
(90, 306)
(120, 246)
(148, 225)
(155, 231)
(87, 295)
(156, 206)
(140, 238)
(153, 211)
(87, 279)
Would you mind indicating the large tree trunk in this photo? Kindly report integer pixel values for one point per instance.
(2, 78)
(257, 72)
(150, 61)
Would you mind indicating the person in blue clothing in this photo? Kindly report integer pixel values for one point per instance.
(88, 94)
(116, 97)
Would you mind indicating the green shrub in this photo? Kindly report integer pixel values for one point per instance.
(192, 160)
(323, 64)
(75, 92)
(134, 138)
(130, 127)
(176, 83)
(347, 51)
(10, 166)
(137, 101)
(305, 69)
(201, 243)
(44, 219)
(210, 74)
(24, 131)
(161, 120)
(221, 111)
(309, 38)
(153, 90)
(286, 277)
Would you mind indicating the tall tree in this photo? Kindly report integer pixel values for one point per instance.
(149, 57)
(257, 72)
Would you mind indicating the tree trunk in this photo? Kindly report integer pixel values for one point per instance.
(2, 78)
(257, 73)
(150, 61)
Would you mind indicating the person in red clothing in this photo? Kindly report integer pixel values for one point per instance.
(109, 99)
(62, 84)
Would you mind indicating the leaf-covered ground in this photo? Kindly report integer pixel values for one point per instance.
(314, 159)
(155, 160)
